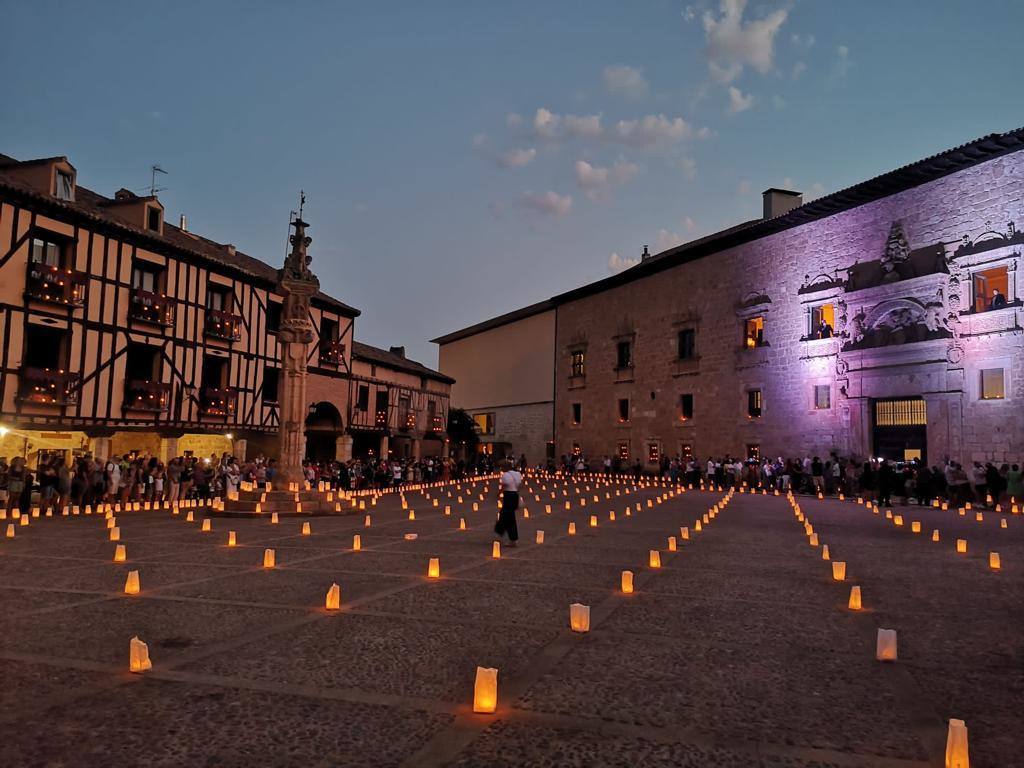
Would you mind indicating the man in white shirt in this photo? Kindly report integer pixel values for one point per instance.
(510, 483)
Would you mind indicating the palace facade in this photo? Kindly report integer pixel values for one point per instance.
(882, 320)
(124, 333)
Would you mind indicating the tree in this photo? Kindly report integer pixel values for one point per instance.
(462, 431)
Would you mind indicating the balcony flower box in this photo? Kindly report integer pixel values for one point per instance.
(45, 386)
(55, 285)
(223, 325)
(149, 307)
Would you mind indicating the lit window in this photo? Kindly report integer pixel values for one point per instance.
(990, 289)
(822, 397)
(687, 344)
(624, 354)
(753, 452)
(65, 189)
(992, 386)
(623, 409)
(686, 451)
(753, 332)
(577, 413)
(653, 453)
(578, 360)
(754, 403)
(823, 321)
(484, 423)
(685, 407)
(624, 450)
(576, 450)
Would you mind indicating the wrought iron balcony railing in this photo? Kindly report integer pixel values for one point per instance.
(152, 307)
(55, 285)
(220, 401)
(142, 395)
(47, 386)
(223, 325)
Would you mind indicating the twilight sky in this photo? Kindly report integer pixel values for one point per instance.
(462, 159)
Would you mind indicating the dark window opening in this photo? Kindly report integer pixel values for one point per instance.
(687, 344)
(363, 398)
(146, 277)
(754, 403)
(153, 217)
(577, 413)
(685, 407)
(44, 347)
(753, 452)
(624, 354)
(142, 363)
(218, 297)
(274, 316)
(623, 409)
(328, 330)
(271, 384)
(215, 373)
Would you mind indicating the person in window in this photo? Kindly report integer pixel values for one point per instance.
(824, 330)
(998, 299)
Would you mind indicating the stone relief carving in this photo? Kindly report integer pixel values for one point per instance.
(897, 250)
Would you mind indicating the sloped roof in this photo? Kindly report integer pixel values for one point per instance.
(94, 207)
(907, 177)
(378, 356)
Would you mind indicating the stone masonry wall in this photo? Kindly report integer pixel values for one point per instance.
(705, 294)
(527, 428)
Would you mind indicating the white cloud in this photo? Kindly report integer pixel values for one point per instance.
(625, 80)
(689, 13)
(547, 203)
(586, 126)
(651, 130)
(738, 102)
(803, 41)
(616, 263)
(843, 62)
(545, 123)
(743, 187)
(687, 165)
(733, 43)
(666, 240)
(516, 158)
(817, 190)
(597, 181)
(689, 224)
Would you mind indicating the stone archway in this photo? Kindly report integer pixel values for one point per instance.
(324, 426)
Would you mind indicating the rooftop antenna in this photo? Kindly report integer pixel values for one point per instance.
(302, 201)
(153, 188)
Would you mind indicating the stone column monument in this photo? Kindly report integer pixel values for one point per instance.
(297, 283)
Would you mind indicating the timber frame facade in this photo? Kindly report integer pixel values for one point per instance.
(122, 332)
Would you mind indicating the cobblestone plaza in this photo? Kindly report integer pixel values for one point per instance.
(739, 650)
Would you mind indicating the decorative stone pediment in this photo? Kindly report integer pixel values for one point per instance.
(821, 282)
(990, 240)
(898, 321)
(753, 302)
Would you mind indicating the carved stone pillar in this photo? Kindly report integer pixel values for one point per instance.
(100, 447)
(297, 284)
(384, 447)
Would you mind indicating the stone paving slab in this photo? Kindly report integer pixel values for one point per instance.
(386, 654)
(151, 722)
(100, 631)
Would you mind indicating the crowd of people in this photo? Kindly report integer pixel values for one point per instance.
(56, 484)
(877, 479)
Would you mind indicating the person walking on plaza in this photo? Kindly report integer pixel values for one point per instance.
(511, 480)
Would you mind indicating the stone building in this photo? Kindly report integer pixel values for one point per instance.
(124, 333)
(504, 371)
(882, 320)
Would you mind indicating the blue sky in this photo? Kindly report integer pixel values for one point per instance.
(462, 159)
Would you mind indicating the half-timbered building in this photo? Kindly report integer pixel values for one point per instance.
(124, 333)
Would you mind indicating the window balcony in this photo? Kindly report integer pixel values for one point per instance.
(435, 424)
(55, 285)
(45, 386)
(407, 422)
(332, 352)
(149, 307)
(218, 401)
(381, 419)
(141, 395)
(223, 325)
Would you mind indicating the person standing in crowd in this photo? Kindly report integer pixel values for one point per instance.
(511, 480)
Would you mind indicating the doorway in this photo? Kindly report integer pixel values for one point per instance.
(901, 429)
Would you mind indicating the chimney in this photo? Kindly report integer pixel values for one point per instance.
(645, 255)
(230, 247)
(400, 351)
(778, 202)
(183, 223)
